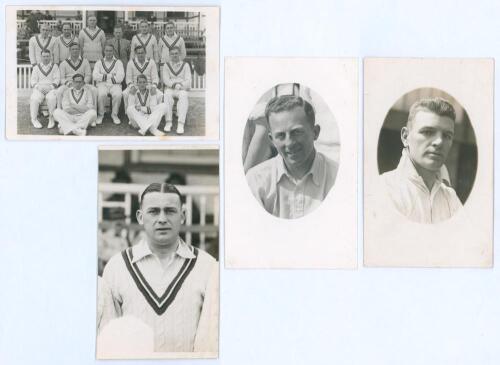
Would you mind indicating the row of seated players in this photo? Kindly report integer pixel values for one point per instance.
(56, 85)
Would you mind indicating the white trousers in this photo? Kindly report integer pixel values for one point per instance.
(69, 122)
(146, 121)
(63, 88)
(126, 92)
(37, 98)
(182, 104)
(103, 89)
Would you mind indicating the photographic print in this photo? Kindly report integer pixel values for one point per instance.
(291, 147)
(428, 162)
(290, 150)
(112, 72)
(158, 251)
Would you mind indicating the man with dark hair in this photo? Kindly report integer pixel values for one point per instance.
(144, 112)
(41, 42)
(177, 80)
(64, 42)
(418, 187)
(165, 283)
(108, 75)
(145, 39)
(77, 111)
(45, 79)
(296, 181)
(122, 45)
(141, 65)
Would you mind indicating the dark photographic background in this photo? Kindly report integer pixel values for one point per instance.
(462, 159)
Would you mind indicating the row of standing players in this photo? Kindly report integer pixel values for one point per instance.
(79, 106)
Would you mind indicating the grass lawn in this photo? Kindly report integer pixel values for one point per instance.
(195, 121)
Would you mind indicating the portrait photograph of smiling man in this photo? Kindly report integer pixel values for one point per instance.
(285, 169)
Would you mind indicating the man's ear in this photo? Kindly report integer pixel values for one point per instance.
(316, 131)
(183, 213)
(404, 136)
(138, 215)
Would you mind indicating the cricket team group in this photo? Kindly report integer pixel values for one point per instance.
(77, 75)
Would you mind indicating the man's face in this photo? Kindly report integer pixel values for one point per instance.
(293, 135)
(161, 215)
(108, 52)
(66, 31)
(78, 83)
(169, 29)
(143, 28)
(75, 51)
(429, 139)
(118, 33)
(92, 21)
(141, 83)
(141, 55)
(44, 31)
(45, 58)
(174, 55)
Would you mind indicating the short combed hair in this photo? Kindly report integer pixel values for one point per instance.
(75, 76)
(139, 47)
(161, 188)
(141, 76)
(169, 22)
(66, 23)
(45, 51)
(72, 44)
(437, 105)
(175, 48)
(144, 21)
(288, 102)
(109, 45)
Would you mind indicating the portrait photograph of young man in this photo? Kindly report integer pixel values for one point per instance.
(428, 162)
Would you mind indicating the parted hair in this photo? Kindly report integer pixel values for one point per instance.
(437, 105)
(288, 102)
(161, 188)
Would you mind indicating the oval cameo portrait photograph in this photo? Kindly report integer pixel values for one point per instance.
(427, 155)
(291, 149)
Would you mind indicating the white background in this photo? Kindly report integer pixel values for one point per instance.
(48, 214)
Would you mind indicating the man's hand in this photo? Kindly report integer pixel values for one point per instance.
(138, 108)
(133, 89)
(178, 87)
(153, 90)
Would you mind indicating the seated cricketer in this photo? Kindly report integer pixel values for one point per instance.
(108, 74)
(45, 79)
(77, 111)
(170, 286)
(418, 187)
(143, 111)
(177, 80)
(140, 65)
(71, 66)
(295, 182)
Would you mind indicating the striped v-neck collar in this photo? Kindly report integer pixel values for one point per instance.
(66, 44)
(47, 43)
(142, 68)
(146, 94)
(174, 42)
(92, 36)
(77, 100)
(74, 66)
(144, 44)
(171, 68)
(45, 73)
(159, 303)
(110, 68)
